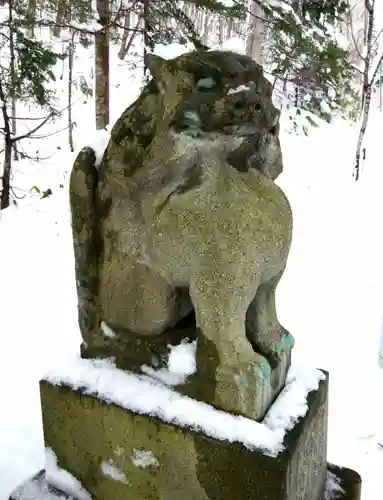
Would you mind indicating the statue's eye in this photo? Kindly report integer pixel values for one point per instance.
(207, 84)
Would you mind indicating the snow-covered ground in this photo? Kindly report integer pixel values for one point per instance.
(330, 297)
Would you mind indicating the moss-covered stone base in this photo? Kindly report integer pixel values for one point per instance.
(349, 480)
(117, 454)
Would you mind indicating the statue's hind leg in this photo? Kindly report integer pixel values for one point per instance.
(137, 299)
(263, 328)
(138, 310)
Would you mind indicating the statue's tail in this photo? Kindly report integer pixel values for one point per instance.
(86, 240)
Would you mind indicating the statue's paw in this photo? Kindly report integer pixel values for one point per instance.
(287, 342)
(273, 344)
(273, 353)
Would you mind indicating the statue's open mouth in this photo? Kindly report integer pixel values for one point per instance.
(245, 130)
(232, 130)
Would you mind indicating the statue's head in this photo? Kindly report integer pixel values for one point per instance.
(206, 94)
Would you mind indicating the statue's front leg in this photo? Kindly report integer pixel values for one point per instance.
(263, 328)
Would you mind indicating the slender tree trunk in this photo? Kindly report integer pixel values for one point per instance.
(60, 17)
(221, 31)
(31, 17)
(125, 34)
(70, 91)
(381, 86)
(102, 66)
(12, 74)
(369, 40)
(206, 28)
(127, 42)
(256, 33)
(13, 125)
(362, 131)
(367, 84)
(7, 165)
(201, 19)
(146, 23)
(230, 27)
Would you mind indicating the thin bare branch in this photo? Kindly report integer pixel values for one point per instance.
(31, 132)
(375, 72)
(43, 136)
(357, 69)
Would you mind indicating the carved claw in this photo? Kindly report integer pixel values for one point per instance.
(273, 349)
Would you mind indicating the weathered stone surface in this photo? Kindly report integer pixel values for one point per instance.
(236, 394)
(85, 433)
(350, 487)
(184, 216)
(348, 480)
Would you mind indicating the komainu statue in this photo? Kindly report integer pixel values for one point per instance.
(181, 230)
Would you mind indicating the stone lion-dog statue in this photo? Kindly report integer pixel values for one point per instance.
(183, 216)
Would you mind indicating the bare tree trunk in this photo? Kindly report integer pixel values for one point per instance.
(256, 33)
(12, 73)
(357, 34)
(60, 16)
(102, 66)
(230, 27)
(146, 28)
(31, 15)
(381, 86)
(200, 20)
(125, 33)
(70, 91)
(126, 43)
(368, 56)
(6, 175)
(362, 131)
(13, 125)
(221, 31)
(206, 28)
(367, 84)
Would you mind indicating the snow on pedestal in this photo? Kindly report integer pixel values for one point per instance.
(51, 483)
(181, 364)
(146, 396)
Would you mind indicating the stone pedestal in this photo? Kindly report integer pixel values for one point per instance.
(118, 454)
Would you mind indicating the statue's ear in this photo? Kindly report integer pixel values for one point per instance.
(159, 69)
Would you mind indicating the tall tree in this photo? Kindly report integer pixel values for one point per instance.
(24, 78)
(256, 33)
(304, 55)
(370, 74)
(102, 65)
